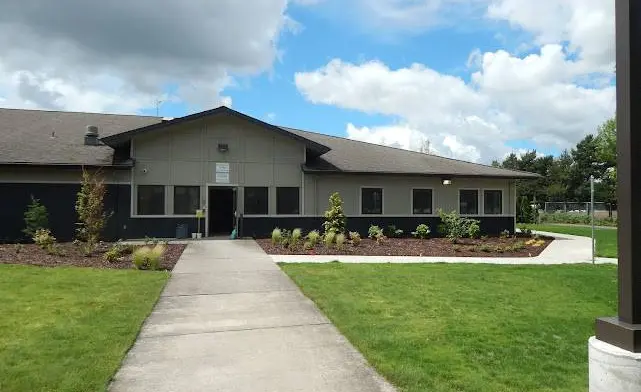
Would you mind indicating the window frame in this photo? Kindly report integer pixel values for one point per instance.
(360, 200)
(478, 201)
(245, 201)
(501, 207)
(298, 208)
(412, 201)
(164, 200)
(199, 199)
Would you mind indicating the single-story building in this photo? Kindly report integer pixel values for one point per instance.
(242, 171)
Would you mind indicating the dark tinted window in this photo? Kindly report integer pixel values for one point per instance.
(422, 201)
(371, 200)
(493, 202)
(256, 200)
(151, 200)
(469, 201)
(186, 200)
(287, 200)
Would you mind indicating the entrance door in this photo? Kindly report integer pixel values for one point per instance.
(221, 206)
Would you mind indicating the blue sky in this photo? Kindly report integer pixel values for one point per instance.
(478, 79)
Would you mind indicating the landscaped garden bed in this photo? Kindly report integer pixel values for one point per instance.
(482, 247)
(460, 237)
(70, 254)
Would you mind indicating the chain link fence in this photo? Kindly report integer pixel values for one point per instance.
(601, 209)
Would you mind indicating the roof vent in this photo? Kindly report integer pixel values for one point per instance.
(91, 136)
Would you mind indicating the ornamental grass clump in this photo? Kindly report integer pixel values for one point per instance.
(340, 240)
(148, 258)
(277, 236)
(313, 237)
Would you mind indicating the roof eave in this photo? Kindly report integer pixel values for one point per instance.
(519, 176)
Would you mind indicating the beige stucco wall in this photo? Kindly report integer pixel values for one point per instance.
(186, 154)
(397, 192)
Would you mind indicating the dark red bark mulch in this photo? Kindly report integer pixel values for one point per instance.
(31, 254)
(489, 247)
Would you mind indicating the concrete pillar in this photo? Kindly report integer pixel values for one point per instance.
(613, 369)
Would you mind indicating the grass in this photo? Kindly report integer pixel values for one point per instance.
(67, 329)
(606, 239)
(455, 327)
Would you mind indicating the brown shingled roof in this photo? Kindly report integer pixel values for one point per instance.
(45, 137)
(57, 138)
(354, 156)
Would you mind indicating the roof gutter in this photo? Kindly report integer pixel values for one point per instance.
(524, 176)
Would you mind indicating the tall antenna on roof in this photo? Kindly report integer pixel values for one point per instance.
(158, 102)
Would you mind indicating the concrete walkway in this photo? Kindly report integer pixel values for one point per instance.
(230, 320)
(565, 249)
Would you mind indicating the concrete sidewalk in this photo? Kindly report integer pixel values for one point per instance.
(231, 320)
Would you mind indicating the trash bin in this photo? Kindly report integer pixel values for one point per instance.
(182, 230)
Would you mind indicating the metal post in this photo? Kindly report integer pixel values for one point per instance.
(592, 212)
(624, 330)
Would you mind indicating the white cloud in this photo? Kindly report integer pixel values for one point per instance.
(553, 95)
(119, 56)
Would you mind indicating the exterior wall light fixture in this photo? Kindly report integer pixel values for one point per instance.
(447, 181)
(223, 147)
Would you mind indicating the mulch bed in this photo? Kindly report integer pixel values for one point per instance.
(31, 254)
(489, 247)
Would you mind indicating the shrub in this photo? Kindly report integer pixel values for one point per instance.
(504, 234)
(148, 258)
(355, 238)
(485, 248)
(525, 213)
(35, 217)
(575, 218)
(393, 232)
(277, 236)
(308, 245)
(518, 246)
(335, 219)
(117, 251)
(456, 248)
(54, 250)
(313, 237)
(43, 238)
(296, 237)
(456, 227)
(340, 240)
(329, 238)
(90, 208)
(422, 231)
(499, 249)
(474, 230)
(112, 255)
(525, 230)
(374, 231)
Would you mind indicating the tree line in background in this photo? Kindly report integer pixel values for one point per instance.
(566, 178)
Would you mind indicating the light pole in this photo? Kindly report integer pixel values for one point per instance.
(592, 213)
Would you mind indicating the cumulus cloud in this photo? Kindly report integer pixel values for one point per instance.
(552, 96)
(121, 55)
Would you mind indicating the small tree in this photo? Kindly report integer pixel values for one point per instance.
(335, 220)
(90, 209)
(35, 217)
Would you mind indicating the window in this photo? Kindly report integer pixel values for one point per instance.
(493, 202)
(468, 202)
(287, 200)
(371, 200)
(151, 200)
(186, 200)
(421, 201)
(256, 200)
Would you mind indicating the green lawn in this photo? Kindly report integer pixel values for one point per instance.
(606, 239)
(466, 327)
(67, 329)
